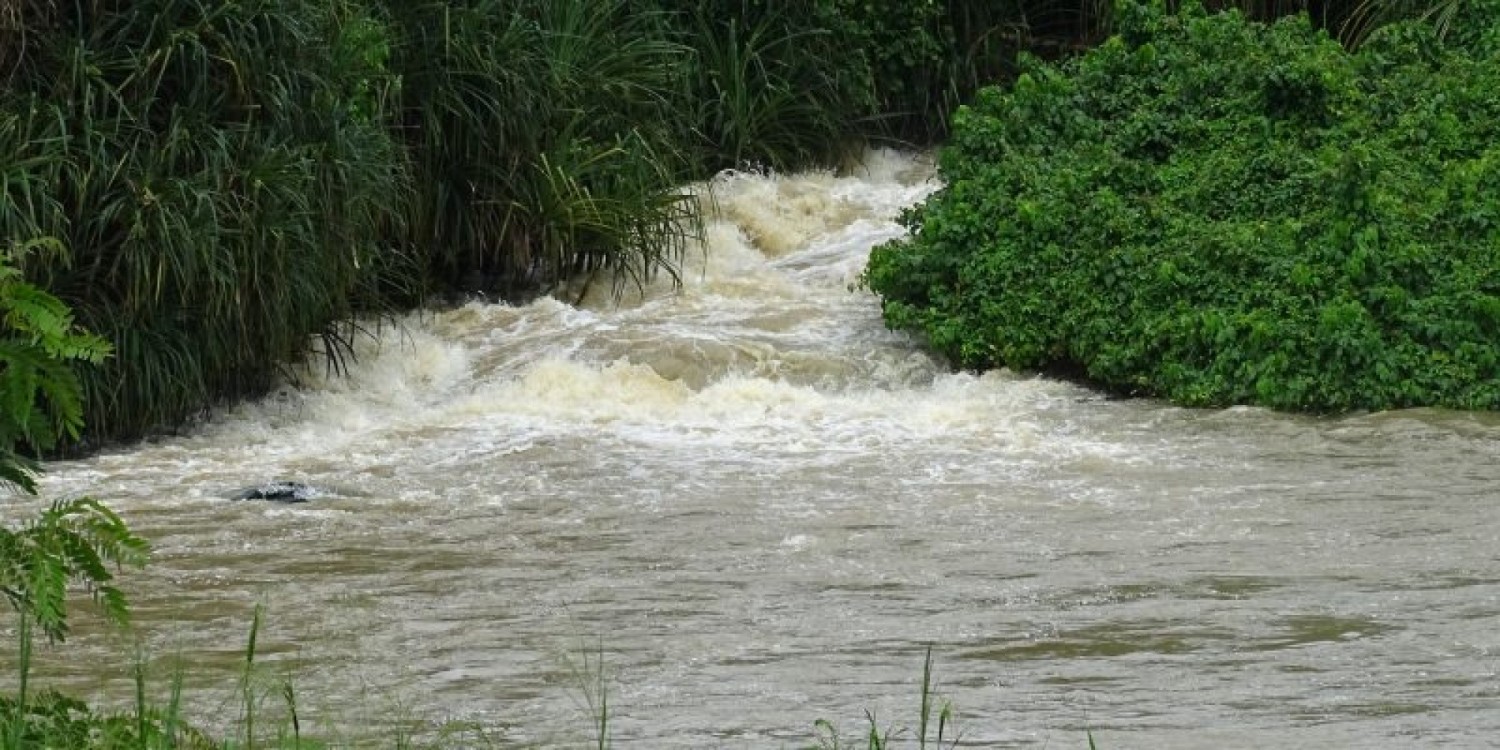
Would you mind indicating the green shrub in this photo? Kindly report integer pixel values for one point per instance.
(1220, 212)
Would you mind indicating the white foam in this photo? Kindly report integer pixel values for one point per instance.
(765, 344)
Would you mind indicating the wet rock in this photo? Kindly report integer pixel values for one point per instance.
(279, 491)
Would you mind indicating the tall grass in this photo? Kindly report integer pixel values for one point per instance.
(875, 738)
(767, 88)
(538, 141)
(218, 197)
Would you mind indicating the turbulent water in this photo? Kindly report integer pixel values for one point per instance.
(761, 508)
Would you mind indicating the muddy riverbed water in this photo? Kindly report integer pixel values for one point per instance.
(762, 507)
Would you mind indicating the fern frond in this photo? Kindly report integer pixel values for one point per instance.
(74, 542)
(18, 470)
(41, 399)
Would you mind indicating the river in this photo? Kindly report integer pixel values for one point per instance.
(761, 508)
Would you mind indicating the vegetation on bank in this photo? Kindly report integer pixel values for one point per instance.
(1202, 208)
(227, 184)
(1219, 211)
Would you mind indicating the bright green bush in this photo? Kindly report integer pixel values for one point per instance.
(1220, 212)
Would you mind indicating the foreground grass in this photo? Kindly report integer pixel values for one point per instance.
(268, 716)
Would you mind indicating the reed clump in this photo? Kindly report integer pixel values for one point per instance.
(538, 141)
(217, 194)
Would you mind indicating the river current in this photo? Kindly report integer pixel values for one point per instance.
(761, 508)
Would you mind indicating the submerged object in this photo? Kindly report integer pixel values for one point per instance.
(279, 491)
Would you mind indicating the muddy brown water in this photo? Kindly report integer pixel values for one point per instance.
(762, 507)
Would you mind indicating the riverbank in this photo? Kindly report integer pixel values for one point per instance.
(770, 502)
(229, 185)
(767, 505)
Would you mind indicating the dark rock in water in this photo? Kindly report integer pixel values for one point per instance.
(280, 491)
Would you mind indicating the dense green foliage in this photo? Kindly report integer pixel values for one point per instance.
(539, 139)
(231, 183)
(218, 194)
(41, 401)
(1218, 211)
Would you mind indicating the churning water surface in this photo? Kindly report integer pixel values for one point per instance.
(762, 507)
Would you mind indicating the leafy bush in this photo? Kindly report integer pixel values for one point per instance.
(1219, 212)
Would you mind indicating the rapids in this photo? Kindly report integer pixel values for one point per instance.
(761, 507)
